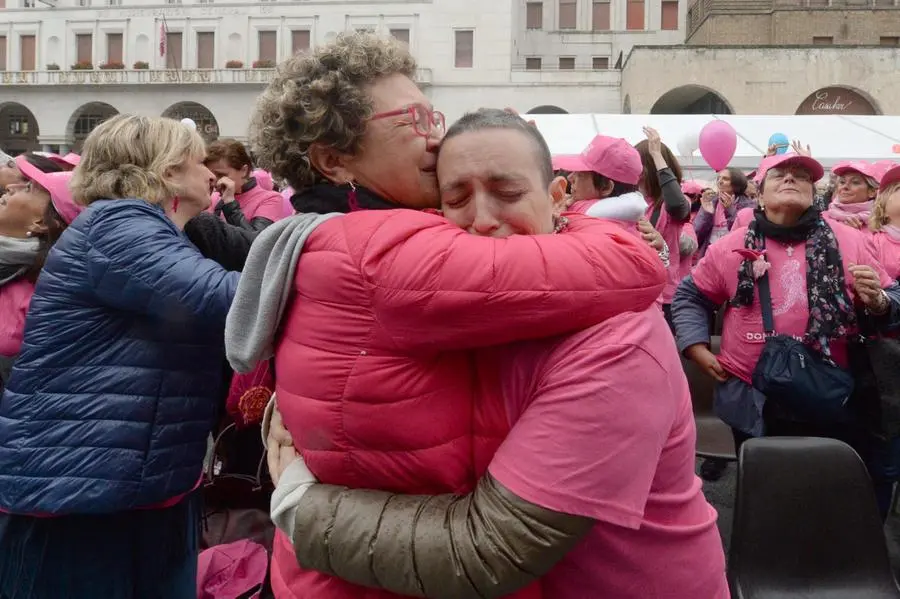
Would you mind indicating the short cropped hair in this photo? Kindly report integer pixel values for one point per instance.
(494, 118)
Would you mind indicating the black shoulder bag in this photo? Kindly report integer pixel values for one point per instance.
(796, 377)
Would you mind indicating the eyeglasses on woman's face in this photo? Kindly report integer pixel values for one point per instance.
(425, 121)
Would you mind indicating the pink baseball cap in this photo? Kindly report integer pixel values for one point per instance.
(692, 187)
(612, 157)
(812, 165)
(860, 166)
(889, 177)
(57, 184)
(69, 161)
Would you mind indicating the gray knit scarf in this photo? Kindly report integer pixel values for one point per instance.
(263, 291)
(17, 256)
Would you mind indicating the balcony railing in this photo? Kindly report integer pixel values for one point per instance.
(154, 77)
(701, 9)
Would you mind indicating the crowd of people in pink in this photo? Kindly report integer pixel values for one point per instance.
(378, 355)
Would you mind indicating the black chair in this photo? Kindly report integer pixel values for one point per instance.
(714, 438)
(806, 524)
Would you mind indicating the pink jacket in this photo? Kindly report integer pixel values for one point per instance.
(14, 300)
(374, 380)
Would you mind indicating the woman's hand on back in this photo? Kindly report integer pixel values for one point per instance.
(279, 447)
(651, 235)
(707, 361)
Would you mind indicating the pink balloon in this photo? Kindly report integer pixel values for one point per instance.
(718, 142)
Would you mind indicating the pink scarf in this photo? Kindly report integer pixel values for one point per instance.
(893, 231)
(841, 212)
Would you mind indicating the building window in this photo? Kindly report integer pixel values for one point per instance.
(669, 18)
(600, 63)
(173, 1)
(634, 16)
(299, 41)
(268, 42)
(84, 47)
(84, 2)
(28, 3)
(401, 35)
(18, 125)
(890, 40)
(533, 63)
(566, 63)
(823, 40)
(600, 15)
(114, 2)
(114, 47)
(206, 50)
(27, 53)
(174, 50)
(465, 49)
(567, 14)
(534, 15)
(2, 52)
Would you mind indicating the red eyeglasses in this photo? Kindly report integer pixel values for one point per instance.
(424, 120)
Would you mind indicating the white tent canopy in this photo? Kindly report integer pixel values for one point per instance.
(832, 138)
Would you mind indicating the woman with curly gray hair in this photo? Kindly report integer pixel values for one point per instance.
(349, 129)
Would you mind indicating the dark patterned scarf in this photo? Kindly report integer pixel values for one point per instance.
(831, 312)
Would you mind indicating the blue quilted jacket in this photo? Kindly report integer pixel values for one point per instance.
(115, 391)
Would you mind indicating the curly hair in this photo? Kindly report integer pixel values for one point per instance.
(321, 97)
(878, 218)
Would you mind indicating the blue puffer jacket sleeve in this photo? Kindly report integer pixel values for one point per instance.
(141, 265)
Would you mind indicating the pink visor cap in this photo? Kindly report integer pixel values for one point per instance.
(860, 166)
(816, 170)
(890, 177)
(57, 184)
(612, 157)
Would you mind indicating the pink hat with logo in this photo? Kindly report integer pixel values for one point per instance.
(57, 184)
(612, 157)
(860, 166)
(816, 171)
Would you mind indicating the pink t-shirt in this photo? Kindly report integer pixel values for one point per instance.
(743, 335)
(256, 203)
(670, 229)
(887, 249)
(587, 440)
(743, 218)
(15, 298)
